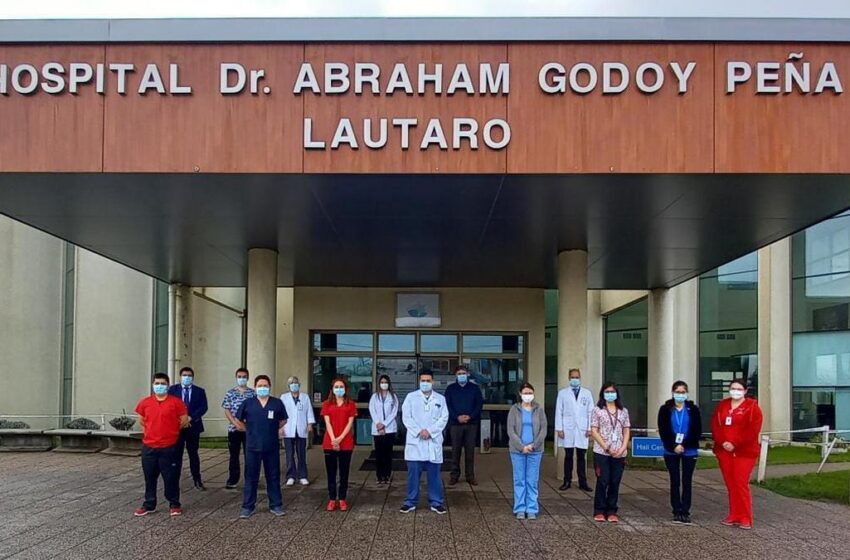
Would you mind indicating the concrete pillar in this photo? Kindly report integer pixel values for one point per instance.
(774, 335)
(686, 336)
(572, 313)
(262, 312)
(661, 350)
(179, 329)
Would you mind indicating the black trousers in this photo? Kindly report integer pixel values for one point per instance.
(681, 471)
(384, 456)
(581, 471)
(337, 462)
(190, 440)
(162, 461)
(609, 474)
(236, 447)
(463, 439)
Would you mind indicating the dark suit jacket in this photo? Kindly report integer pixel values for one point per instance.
(197, 405)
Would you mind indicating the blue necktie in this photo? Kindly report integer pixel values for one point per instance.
(575, 390)
(185, 395)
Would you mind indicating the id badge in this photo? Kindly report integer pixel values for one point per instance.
(680, 438)
(271, 415)
(300, 405)
(728, 420)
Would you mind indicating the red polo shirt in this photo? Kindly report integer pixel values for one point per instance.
(339, 416)
(162, 420)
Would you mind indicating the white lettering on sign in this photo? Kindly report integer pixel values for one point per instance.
(583, 77)
(773, 77)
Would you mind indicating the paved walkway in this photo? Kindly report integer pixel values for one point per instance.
(70, 506)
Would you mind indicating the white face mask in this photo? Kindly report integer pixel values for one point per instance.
(385, 386)
(736, 394)
(527, 398)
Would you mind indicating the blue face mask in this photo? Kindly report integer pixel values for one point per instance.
(241, 381)
(160, 389)
(575, 382)
(610, 396)
(680, 397)
(462, 378)
(294, 387)
(339, 391)
(263, 391)
(425, 386)
(186, 380)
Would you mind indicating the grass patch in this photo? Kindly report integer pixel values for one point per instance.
(213, 443)
(831, 486)
(785, 455)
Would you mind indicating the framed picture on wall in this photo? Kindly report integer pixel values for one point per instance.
(417, 309)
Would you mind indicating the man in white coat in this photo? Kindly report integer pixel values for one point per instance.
(296, 431)
(572, 428)
(425, 416)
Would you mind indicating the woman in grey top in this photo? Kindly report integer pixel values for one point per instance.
(526, 432)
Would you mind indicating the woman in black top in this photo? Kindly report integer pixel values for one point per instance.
(680, 427)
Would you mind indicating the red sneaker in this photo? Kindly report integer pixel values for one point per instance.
(174, 512)
(331, 505)
(343, 505)
(599, 517)
(729, 522)
(613, 518)
(746, 526)
(141, 512)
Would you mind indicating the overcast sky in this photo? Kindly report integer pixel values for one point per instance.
(11, 9)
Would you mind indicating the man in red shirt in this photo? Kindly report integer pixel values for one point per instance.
(161, 416)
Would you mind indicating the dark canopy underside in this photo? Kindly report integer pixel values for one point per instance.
(641, 231)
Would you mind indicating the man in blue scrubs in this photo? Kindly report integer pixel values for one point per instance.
(261, 417)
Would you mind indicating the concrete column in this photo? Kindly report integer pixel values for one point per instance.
(572, 313)
(661, 350)
(686, 337)
(179, 329)
(262, 311)
(774, 335)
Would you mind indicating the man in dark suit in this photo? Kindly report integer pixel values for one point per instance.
(195, 399)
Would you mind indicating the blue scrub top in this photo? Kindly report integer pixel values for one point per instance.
(527, 427)
(261, 423)
(680, 420)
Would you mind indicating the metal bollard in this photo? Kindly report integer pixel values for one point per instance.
(765, 445)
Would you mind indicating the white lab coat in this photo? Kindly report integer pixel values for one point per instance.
(419, 413)
(299, 417)
(384, 411)
(572, 416)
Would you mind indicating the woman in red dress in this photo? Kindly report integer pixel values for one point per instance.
(339, 412)
(735, 426)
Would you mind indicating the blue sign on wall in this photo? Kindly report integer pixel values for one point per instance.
(647, 447)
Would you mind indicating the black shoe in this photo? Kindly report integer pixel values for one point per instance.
(452, 481)
(677, 519)
(585, 488)
(230, 485)
(406, 508)
(472, 482)
(565, 486)
(439, 510)
(200, 485)
(685, 519)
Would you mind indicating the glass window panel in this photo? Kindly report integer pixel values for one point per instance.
(402, 373)
(821, 359)
(343, 342)
(626, 348)
(492, 344)
(727, 306)
(499, 378)
(633, 316)
(438, 343)
(442, 368)
(357, 370)
(814, 408)
(397, 342)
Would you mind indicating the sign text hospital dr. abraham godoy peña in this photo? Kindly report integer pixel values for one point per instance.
(484, 79)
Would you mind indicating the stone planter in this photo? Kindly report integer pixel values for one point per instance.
(25, 440)
(79, 441)
(128, 444)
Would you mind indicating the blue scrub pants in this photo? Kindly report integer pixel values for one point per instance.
(526, 481)
(435, 485)
(296, 457)
(270, 461)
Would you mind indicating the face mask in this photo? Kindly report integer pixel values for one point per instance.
(294, 387)
(680, 397)
(385, 386)
(462, 378)
(186, 380)
(160, 389)
(575, 382)
(527, 398)
(339, 391)
(736, 394)
(425, 386)
(610, 396)
(263, 391)
(241, 381)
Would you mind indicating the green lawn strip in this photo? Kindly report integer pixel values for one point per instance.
(832, 486)
(785, 455)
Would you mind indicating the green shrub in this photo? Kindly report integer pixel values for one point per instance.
(13, 425)
(82, 424)
(123, 423)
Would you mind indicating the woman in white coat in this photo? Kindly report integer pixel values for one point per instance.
(297, 429)
(383, 408)
(572, 428)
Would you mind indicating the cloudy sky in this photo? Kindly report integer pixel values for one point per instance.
(10, 9)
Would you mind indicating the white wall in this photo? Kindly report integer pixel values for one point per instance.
(31, 285)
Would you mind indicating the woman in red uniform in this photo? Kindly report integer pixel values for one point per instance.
(735, 426)
(339, 412)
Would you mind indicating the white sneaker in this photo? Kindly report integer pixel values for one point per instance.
(304, 482)
(290, 481)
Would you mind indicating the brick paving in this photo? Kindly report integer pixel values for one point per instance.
(71, 506)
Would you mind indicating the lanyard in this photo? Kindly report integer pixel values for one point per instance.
(427, 401)
(678, 420)
(383, 408)
(613, 420)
